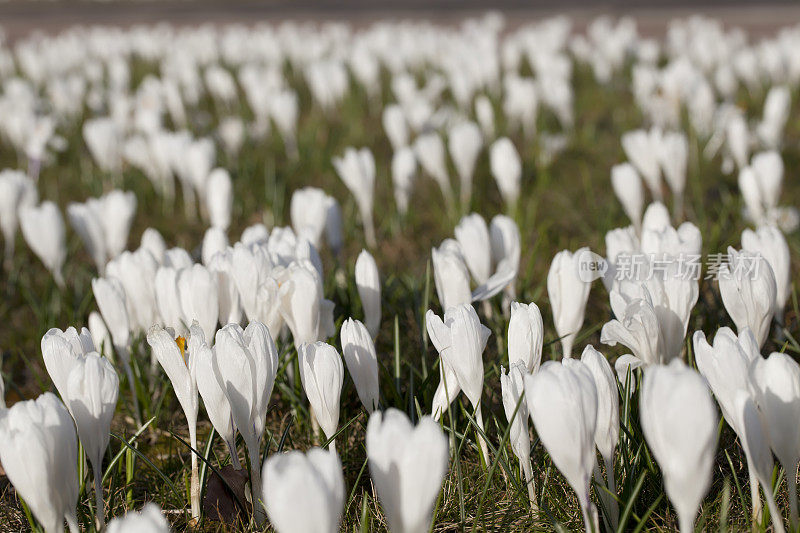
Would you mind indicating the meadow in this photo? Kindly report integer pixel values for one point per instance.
(566, 201)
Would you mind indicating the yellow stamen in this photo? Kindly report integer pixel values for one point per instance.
(181, 342)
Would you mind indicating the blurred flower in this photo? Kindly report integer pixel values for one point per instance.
(362, 362)
(322, 374)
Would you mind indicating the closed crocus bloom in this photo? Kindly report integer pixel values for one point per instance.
(116, 210)
(450, 275)
(357, 170)
(62, 351)
(673, 155)
(484, 112)
(255, 234)
(216, 402)
(89, 228)
(17, 190)
(322, 374)
(136, 272)
(245, 365)
(726, 368)
(153, 242)
(465, 142)
(627, 186)
(395, 126)
(404, 170)
(148, 520)
(362, 362)
(214, 241)
(368, 283)
(296, 483)
(92, 392)
(100, 335)
(176, 357)
(568, 295)
(642, 151)
(302, 305)
(776, 383)
(562, 401)
(506, 249)
(43, 229)
(637, 329)
(679, 421)
(309, 213)
(770, 243)
(110, 298)
(219, 198)
(525, 336)
(516, 409)
(768, 167)
(506, 168)
(748, 290)
(429, 150)
(168, 299)
(656, 217)
(39, 451)
(197, 289)
(754, 437)
(472, 235)
(407, 465)
(460, 340)
(606, 436)
(230, 306)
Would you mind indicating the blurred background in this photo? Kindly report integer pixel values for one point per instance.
(20, 17)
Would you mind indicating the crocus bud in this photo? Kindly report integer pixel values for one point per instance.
(472, 235)
(627, 186)
(562, 401)
(450, 275)
(322, 374)
(62, 351)
(230, 306)
(568, 295)
(606, 435)
(309, 213)
(641, 147)
(214, 241)
(465, 142)
(136, 272)
(179, 363)
(512, 387)
(153, 242)
(506, 168)
(637, 328)
(675, 401)
(754, 436)
(404, 170)
(17, 191)
(216, 402)
(199, 297)
(148, 520)
(395, 126)
(362, 362)
(777, 106)
(302, 304)
(92, 392)
(673, 153)
(43, 229)
(776, 384)
(406, 464)
(89, 228)
(656, 217)
(525, 336)
(460, 340)
(248, 391)
(506, 249)
(100, 335)
(357, 170)
(748, 290)
(39, 452)
(484, 112)
(771, 244)
(110, 298)
(295, 483)
(368, 283)
(219, 198)
(429, 150)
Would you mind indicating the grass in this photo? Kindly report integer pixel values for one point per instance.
(567, 204)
